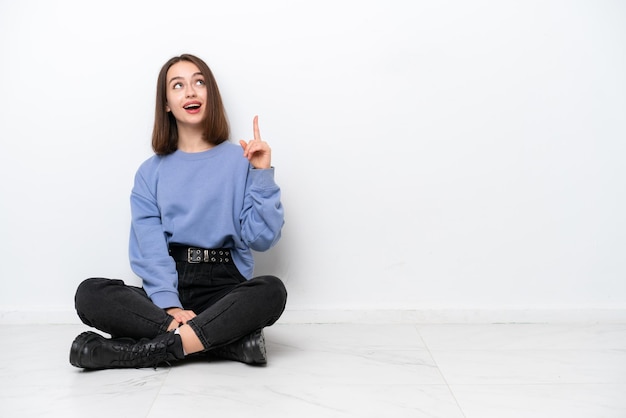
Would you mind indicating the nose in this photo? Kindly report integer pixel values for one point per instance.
(190, 91)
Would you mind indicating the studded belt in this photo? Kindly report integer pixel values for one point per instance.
(200, 255)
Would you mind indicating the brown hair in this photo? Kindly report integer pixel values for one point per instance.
(165, 132)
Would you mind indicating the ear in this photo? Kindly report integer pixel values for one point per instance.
(167, 108)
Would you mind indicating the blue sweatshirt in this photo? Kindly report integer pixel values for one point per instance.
(210, 199)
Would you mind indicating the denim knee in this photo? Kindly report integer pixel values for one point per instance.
(89, 294)
(275, 293)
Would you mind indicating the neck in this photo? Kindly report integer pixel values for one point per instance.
(191, 140)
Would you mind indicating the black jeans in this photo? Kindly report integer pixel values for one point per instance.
(227, 305)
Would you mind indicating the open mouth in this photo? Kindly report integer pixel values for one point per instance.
(192, 107)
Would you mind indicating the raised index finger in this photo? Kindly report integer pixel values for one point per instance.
(257, 132)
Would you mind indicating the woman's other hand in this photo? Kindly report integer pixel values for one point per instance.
(257, 151)
(180, 315)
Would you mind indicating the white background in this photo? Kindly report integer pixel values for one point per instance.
(432, 155)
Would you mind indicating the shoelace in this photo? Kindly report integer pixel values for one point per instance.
(144, 353)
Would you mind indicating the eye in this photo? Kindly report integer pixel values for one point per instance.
(177, 85)
(200, 82)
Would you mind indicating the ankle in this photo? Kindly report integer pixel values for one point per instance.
(191, 342)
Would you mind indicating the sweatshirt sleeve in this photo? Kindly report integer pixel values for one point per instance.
(148, 252)
(263, 216)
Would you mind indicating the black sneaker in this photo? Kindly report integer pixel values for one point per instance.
(92, 351)
(249, 349)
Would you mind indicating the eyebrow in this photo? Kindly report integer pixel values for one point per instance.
(182, 78)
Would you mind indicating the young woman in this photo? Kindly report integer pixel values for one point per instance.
(199, 207)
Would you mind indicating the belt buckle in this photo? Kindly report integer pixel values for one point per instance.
(194, 255)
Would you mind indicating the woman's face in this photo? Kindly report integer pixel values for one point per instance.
(186, 93)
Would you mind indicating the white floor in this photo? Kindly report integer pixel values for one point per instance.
(471, 371)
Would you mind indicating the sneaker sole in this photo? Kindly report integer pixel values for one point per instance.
(77, 348)
(258, 353)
